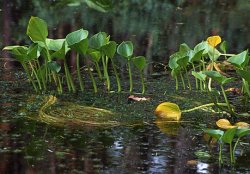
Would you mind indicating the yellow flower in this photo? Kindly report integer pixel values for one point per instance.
(214, 40)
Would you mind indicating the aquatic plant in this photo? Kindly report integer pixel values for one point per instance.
(206, 66)
(41, 59)
(125, 49)
(226, 137)
(140, 63)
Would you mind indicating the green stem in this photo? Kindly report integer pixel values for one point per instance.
(59, 88)
(92, 79)
(130, 77)
(183, 82)
(42, 76)
(203, 106)
(37, 78)
(176, 83)
(29, 76)
(142, 82)
(220, 154)
(105, 71)
(189, 84)
(196, 80)
(116, 76)
(231, 153)
(69, 77)
(225, 97)
(234, 149)
(227, 54)
(79, 72)
(97, 67)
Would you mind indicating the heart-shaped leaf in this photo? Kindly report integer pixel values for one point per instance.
(242, 132)
(125, 49)
(169, 111)
(54, 66)
(109, 49)
(19, 52)
(140, 62)
(215, 133)
(199, 75)
(240, 60)
(95, 55)
(37, 29)
(218, 77)
(78, 41)
(98, 40)
(223, 46)
(33, 52)
(229, 135)
(201, 46)
(244, 74)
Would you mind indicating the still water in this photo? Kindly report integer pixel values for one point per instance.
(28, 146)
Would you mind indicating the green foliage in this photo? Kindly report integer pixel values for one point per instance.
(40, 59)
(228, 137)
(37, 29)
(125, 49)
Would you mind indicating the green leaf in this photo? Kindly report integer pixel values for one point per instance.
(55, 44)
(173, 62)
(98, 40)
(242, 132)
(61, 52)
(244, 74)
(125, 49)
(18, 52)
(213, 53)
(139, 62)
(240, 60)
(223, 46)
(195, 56)
(215, 133)
(218, 77)
(37, 29)
(54, 66)
(33, 52)
(109, 49)
(183, 61)
(184, 48)
(95, 55)
(202, 46)
(229, 135)
(100, 5)
(78, 41)
(199, 75)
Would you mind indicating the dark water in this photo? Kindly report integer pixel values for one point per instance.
(28, 146)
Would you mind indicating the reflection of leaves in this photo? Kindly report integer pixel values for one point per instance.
(100, 5)
(202, 155)
(168, 127)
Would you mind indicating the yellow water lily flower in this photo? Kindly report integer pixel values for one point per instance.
(214, 40)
